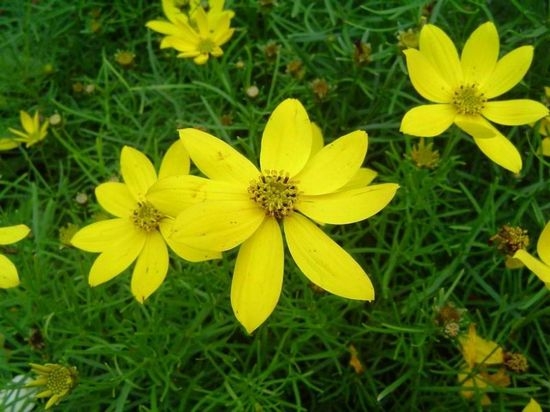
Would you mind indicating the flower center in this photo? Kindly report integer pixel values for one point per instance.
(206, 46)
(274, 192)
(60, 380)
(146, 217)
(468, 100)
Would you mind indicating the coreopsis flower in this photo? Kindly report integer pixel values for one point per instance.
(477, 354)
(462, 88)
(247, 206)
(141, 224)
(540, 267)
(56, 381)
(8, 272)
(532, 406)
(32, 133)
(197, 34)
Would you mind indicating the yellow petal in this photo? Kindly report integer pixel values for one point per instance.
(426, 80)
(258, 276)
(200, 59)
(151, 267)
(347, 206)
(183, 45)
(480, 54)
(543, 244)
(201, 20)
(428, 120)
(324, 262)
(484, 351)
(532, 406)
(137, 171)
(175, 161)
(317, 142)
(100, 236)
(8, 273)
(514, 112)
(8, 143)
(170, 10)
(363, 177)
(508, 72)
(171, 195)
(476, 126)
(115, 198)
(219, 225)
(12, 234)
(286, 141)
(334, 165)
(163, 27)
(216, 159)
(27, 122)
(492, 143)
(534, 265)
(441, 53)
(116, 259)
(545, 146)
(183, 250)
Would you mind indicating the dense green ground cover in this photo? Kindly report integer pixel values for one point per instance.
(183, 349)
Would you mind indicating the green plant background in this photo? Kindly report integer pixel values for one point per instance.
(184, 350)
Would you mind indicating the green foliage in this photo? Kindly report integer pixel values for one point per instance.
(184, 350)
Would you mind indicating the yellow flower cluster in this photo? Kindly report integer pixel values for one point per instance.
(195, 32)
(299, 184)
(32, 133)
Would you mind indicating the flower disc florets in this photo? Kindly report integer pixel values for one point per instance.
(146, 217)
(468, 100)
(206, 46)
(61, 379)
(274, 192)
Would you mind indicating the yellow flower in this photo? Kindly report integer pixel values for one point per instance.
(198, 34)
(57, 381)
(32, 133)
(8, 272)
(462, 88)
(245, 206)
(532, 406)
(541, 267)
(138, 231)
(477, 353)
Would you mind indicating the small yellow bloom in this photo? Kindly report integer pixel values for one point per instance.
(479, 353)
(8, 272)
(462, 89)
(32, 133)
(293, 188)
(532, 406)
(57, 381)
(198, 34)
(541, 267)
(125, 58)
(141, 224)
(424, 155)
